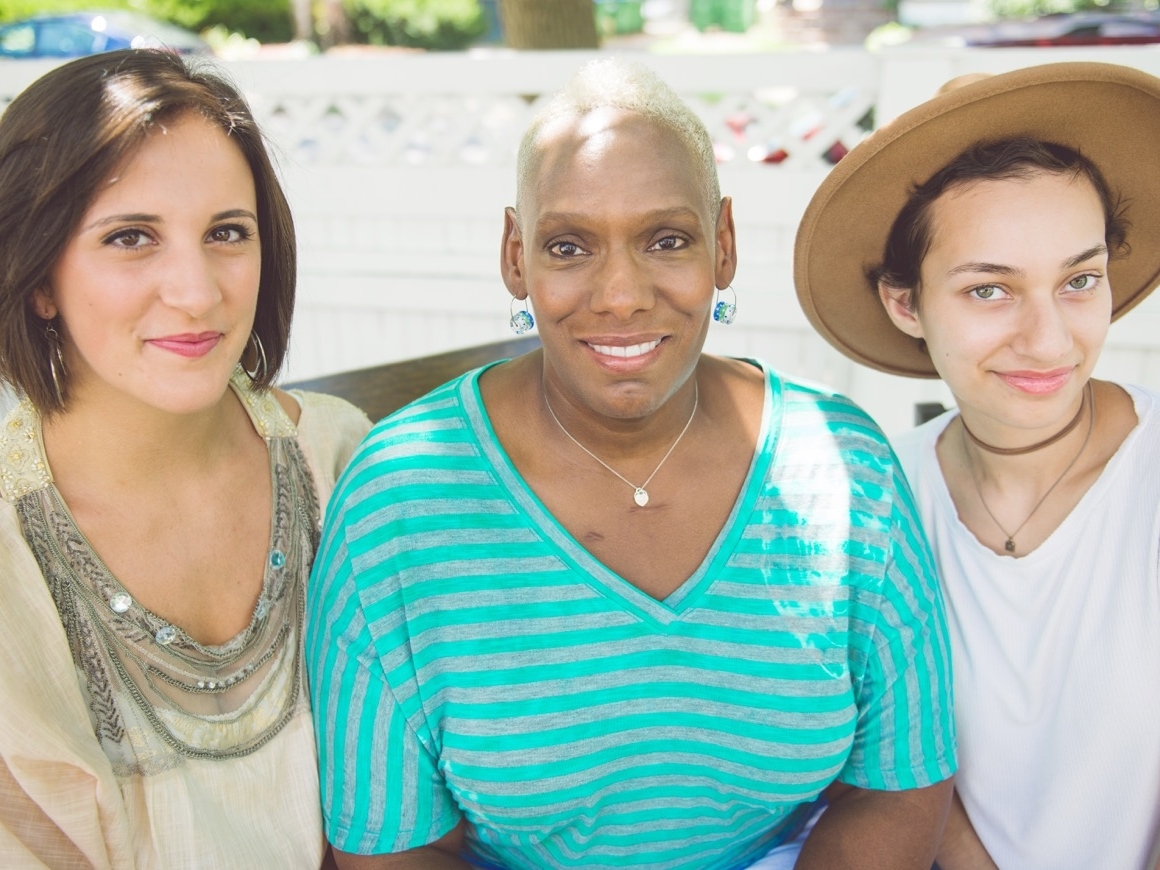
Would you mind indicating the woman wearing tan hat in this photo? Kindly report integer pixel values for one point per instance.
(998, 267)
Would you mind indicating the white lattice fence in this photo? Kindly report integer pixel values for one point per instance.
(398, 168)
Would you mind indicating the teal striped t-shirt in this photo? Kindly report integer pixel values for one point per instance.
(469, 659)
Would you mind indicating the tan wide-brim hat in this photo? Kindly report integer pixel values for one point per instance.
(1109, 113)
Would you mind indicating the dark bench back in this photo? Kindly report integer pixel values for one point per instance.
(379, 390)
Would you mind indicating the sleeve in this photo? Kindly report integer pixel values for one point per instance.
(329, 431)
(60, 805)
(905, 736)
(381, 785)
(34, 832)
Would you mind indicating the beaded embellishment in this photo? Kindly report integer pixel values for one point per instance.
(157, 696)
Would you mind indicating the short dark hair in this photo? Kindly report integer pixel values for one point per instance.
(910, 235)
(60, 140)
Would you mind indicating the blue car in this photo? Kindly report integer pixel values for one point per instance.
(79, 33)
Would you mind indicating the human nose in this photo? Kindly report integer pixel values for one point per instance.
(1044, 331)
(623, 286)
(190, 283)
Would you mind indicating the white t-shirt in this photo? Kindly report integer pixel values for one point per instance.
(1056, 659)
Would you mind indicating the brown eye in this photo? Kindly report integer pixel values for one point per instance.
(671, 243)
(230, 234)
(127, 239)
(565, 249)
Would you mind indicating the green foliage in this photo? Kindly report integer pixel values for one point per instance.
(265, 20)
(443, 25)
(1029, 8)
(12, 9)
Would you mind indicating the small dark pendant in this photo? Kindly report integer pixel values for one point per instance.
(1009, 546)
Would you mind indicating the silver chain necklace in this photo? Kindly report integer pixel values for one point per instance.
(1009, 545)
(640, 494)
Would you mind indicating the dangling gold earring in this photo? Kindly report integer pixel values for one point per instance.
(55, 360)
(260, 364)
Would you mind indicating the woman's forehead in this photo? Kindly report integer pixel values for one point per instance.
(1018, 218)
(614, 153)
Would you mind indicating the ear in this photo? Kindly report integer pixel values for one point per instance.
(725, 265)
(511, 256)
(42, 305)
(899, 309)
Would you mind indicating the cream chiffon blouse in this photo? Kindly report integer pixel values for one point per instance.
(125, 743)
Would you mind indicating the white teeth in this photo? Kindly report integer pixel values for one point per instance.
(625, 352)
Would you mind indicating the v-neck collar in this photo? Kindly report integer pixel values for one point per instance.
(595, 573)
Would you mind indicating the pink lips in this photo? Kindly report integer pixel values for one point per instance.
(190, 345)
(1037, 383)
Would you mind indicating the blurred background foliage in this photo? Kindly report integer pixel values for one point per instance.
(431, 24)
(445, 25)
(1026, 8)
(265, 20)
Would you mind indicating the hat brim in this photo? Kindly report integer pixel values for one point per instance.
(1107, 112)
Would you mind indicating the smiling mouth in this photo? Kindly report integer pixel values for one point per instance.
(188, 345)
(625, 351)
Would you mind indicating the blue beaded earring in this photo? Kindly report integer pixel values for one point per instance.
(522, 320)
(724, 312)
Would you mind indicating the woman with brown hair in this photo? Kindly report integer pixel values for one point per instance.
(161, 500)
(989, 237)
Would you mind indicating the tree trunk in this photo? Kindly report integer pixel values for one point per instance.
(303, 19)
(333, 26)
(549, 23)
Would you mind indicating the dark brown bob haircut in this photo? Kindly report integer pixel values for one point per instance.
(1022, 157)
(60, 141)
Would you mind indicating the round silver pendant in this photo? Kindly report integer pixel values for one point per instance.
(640, 496)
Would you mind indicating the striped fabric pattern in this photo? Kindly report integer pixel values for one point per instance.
(469, 658)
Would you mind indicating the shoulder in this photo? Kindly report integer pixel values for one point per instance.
(445, 409)
(324, 416)
(23, 465)
(1146, 404)
(814, 413)
(914, 444)
(329, 431)
(434, 429)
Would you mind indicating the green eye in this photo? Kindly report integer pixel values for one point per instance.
(985, 292)
(1081, 282)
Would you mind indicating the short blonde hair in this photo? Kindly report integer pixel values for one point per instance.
(614, 83)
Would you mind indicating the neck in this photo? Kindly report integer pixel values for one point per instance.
(126, 441)
(1055, 437)
(1035, 463)
(615, 437)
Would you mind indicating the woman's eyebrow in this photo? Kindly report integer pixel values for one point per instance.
(1086, 255)
(143, 218)
(991, 268)
(135, 218)
(1000, 269)
(660, 214)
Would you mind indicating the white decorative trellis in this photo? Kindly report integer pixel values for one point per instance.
(398, 166)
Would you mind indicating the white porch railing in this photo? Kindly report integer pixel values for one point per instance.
(398, 167)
